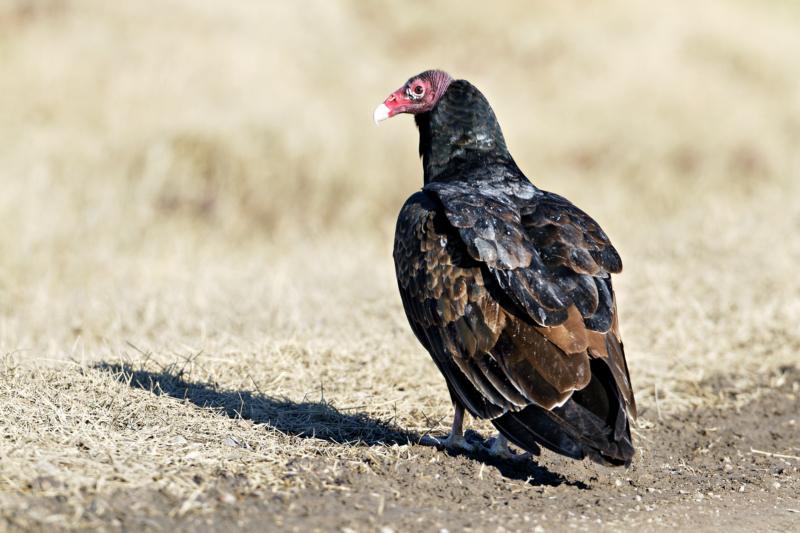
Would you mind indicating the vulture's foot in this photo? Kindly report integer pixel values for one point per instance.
(453, 442)
(456, 440)
(499, 449)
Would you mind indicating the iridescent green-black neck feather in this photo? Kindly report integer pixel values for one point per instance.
(460, 133)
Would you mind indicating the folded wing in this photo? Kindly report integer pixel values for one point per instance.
(509, 290)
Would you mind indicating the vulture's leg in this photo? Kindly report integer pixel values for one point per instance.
(456, 438)
(500, 449)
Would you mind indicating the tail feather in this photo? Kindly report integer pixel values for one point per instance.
(529, 428)
(592, 423)
(592, 434)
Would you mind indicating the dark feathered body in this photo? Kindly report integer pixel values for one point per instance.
(509, 289)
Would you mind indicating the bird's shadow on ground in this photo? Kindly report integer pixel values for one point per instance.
(318, 419)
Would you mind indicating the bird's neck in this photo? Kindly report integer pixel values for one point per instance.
(459, 134)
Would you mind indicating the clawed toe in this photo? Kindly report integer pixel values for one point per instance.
(508, 455)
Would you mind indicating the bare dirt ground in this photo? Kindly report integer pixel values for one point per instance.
(199, 321)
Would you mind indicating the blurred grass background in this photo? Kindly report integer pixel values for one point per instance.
(200, 175)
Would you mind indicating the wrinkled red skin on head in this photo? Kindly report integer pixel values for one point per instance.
(409, 99)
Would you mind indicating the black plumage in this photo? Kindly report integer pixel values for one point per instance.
(507, 286)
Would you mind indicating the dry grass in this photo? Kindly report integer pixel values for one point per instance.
(204, 182)
(116, 427)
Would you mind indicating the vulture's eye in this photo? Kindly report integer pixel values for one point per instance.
(418, 90)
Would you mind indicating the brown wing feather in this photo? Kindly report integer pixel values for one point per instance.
(448, 307)
(566, 235)
(558, 229)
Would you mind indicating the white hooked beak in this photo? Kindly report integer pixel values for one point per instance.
(381, 113)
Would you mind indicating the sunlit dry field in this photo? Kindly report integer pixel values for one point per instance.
(197, 211)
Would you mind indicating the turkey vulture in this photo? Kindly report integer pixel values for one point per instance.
(508, 286)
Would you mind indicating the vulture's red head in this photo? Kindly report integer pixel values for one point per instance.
(418, 95)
